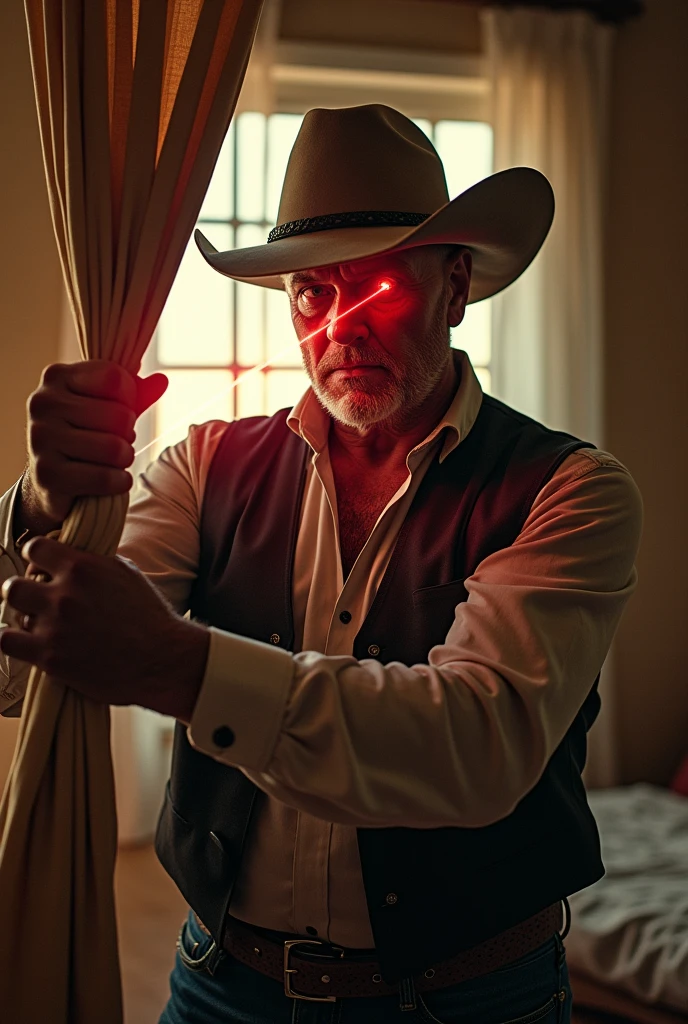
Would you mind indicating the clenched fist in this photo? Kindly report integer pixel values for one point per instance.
(81, 433)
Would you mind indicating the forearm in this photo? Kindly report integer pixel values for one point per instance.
(374, 746)
(461, 739)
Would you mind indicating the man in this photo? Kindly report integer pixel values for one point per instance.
(402, 592)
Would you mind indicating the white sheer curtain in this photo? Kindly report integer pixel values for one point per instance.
(549, 76)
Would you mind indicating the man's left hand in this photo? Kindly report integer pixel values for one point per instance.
(98, 625)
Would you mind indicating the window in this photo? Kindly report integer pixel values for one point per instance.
(213, 331)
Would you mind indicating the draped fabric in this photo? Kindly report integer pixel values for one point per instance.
(549, 79)
(550, 84)
(134, 100)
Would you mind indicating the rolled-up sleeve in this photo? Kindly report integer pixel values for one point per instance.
(461, 739)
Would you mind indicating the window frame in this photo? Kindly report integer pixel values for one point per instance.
(304, 75)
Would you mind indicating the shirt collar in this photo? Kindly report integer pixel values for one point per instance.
(310, 421)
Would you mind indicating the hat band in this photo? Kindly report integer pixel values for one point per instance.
(355, 219)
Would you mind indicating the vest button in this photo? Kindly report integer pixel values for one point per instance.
(373, 650)
(223, 736)
(345, 617)
(391, 898)
(274, 638)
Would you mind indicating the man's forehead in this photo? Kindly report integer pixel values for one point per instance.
(359, 268)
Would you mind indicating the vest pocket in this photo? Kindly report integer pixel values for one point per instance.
(449, 594)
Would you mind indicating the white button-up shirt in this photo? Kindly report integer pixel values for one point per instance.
(334, 743)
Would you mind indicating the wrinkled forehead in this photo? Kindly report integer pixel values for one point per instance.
(406, 262)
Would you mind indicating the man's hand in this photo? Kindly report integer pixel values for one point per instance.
(81, 433)
(97, 624)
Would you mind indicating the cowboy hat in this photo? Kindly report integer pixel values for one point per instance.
(362, 181)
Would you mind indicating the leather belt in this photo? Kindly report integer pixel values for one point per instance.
(334, 973)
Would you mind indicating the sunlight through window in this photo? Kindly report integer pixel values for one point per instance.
(213, 330)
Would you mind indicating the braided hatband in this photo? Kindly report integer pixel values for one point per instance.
(356, 219)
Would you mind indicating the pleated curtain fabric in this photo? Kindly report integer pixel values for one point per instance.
(134, 99)
(549, 75)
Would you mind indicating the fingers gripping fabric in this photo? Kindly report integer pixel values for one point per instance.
(133, 103)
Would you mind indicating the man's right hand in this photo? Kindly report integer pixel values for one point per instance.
(80, 436)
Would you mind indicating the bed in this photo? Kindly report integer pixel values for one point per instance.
(628, 944)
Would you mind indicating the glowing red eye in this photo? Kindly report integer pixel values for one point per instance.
(385, 285)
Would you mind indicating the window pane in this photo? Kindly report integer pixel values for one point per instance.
(193, 396)
(210, 321)
(425, 125)
(219, 199)
(282, 343)
(465, 148)
(197, 321)
(474, 333)
(485, 378)
(250, 166)
(250, 300)
(282, 131)
(284, 388)
(250, 394)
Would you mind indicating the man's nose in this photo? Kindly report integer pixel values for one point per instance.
(346, 326)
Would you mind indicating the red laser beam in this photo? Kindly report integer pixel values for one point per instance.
(382, 287)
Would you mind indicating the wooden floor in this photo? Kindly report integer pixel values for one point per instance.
(150, 912)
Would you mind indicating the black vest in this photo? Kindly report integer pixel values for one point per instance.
(454, 887)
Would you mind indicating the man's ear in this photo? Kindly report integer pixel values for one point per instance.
(461, 265)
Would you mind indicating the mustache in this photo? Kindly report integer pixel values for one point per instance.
(352, 357)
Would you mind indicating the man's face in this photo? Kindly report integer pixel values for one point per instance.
(381, 361)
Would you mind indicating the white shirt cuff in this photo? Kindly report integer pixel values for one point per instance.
(242, 701)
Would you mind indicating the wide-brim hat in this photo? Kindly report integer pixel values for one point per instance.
(365, 180)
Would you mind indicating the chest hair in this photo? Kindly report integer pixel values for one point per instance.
(359, 508)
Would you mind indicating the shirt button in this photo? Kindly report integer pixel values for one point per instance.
(345, 617)
(223, 736)
(391, 898)
(373, 650)
(274, 638)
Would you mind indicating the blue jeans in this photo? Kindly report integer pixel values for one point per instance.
(532, 990)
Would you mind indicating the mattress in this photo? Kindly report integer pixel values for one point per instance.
(629, 930)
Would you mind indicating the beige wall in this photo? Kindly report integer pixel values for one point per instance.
(30, 279)
(647, 372)
(404, 24)
(646, 307)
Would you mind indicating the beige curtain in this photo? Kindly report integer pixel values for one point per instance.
(550, 82)
(549, 76)
(134, 100)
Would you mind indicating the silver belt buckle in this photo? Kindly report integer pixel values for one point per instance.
(288, 971)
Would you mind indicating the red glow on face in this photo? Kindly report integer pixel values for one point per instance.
(382, 287)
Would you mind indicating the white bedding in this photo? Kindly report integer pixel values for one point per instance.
(630, 929)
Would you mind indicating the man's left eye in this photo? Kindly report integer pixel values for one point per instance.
(317, 291)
